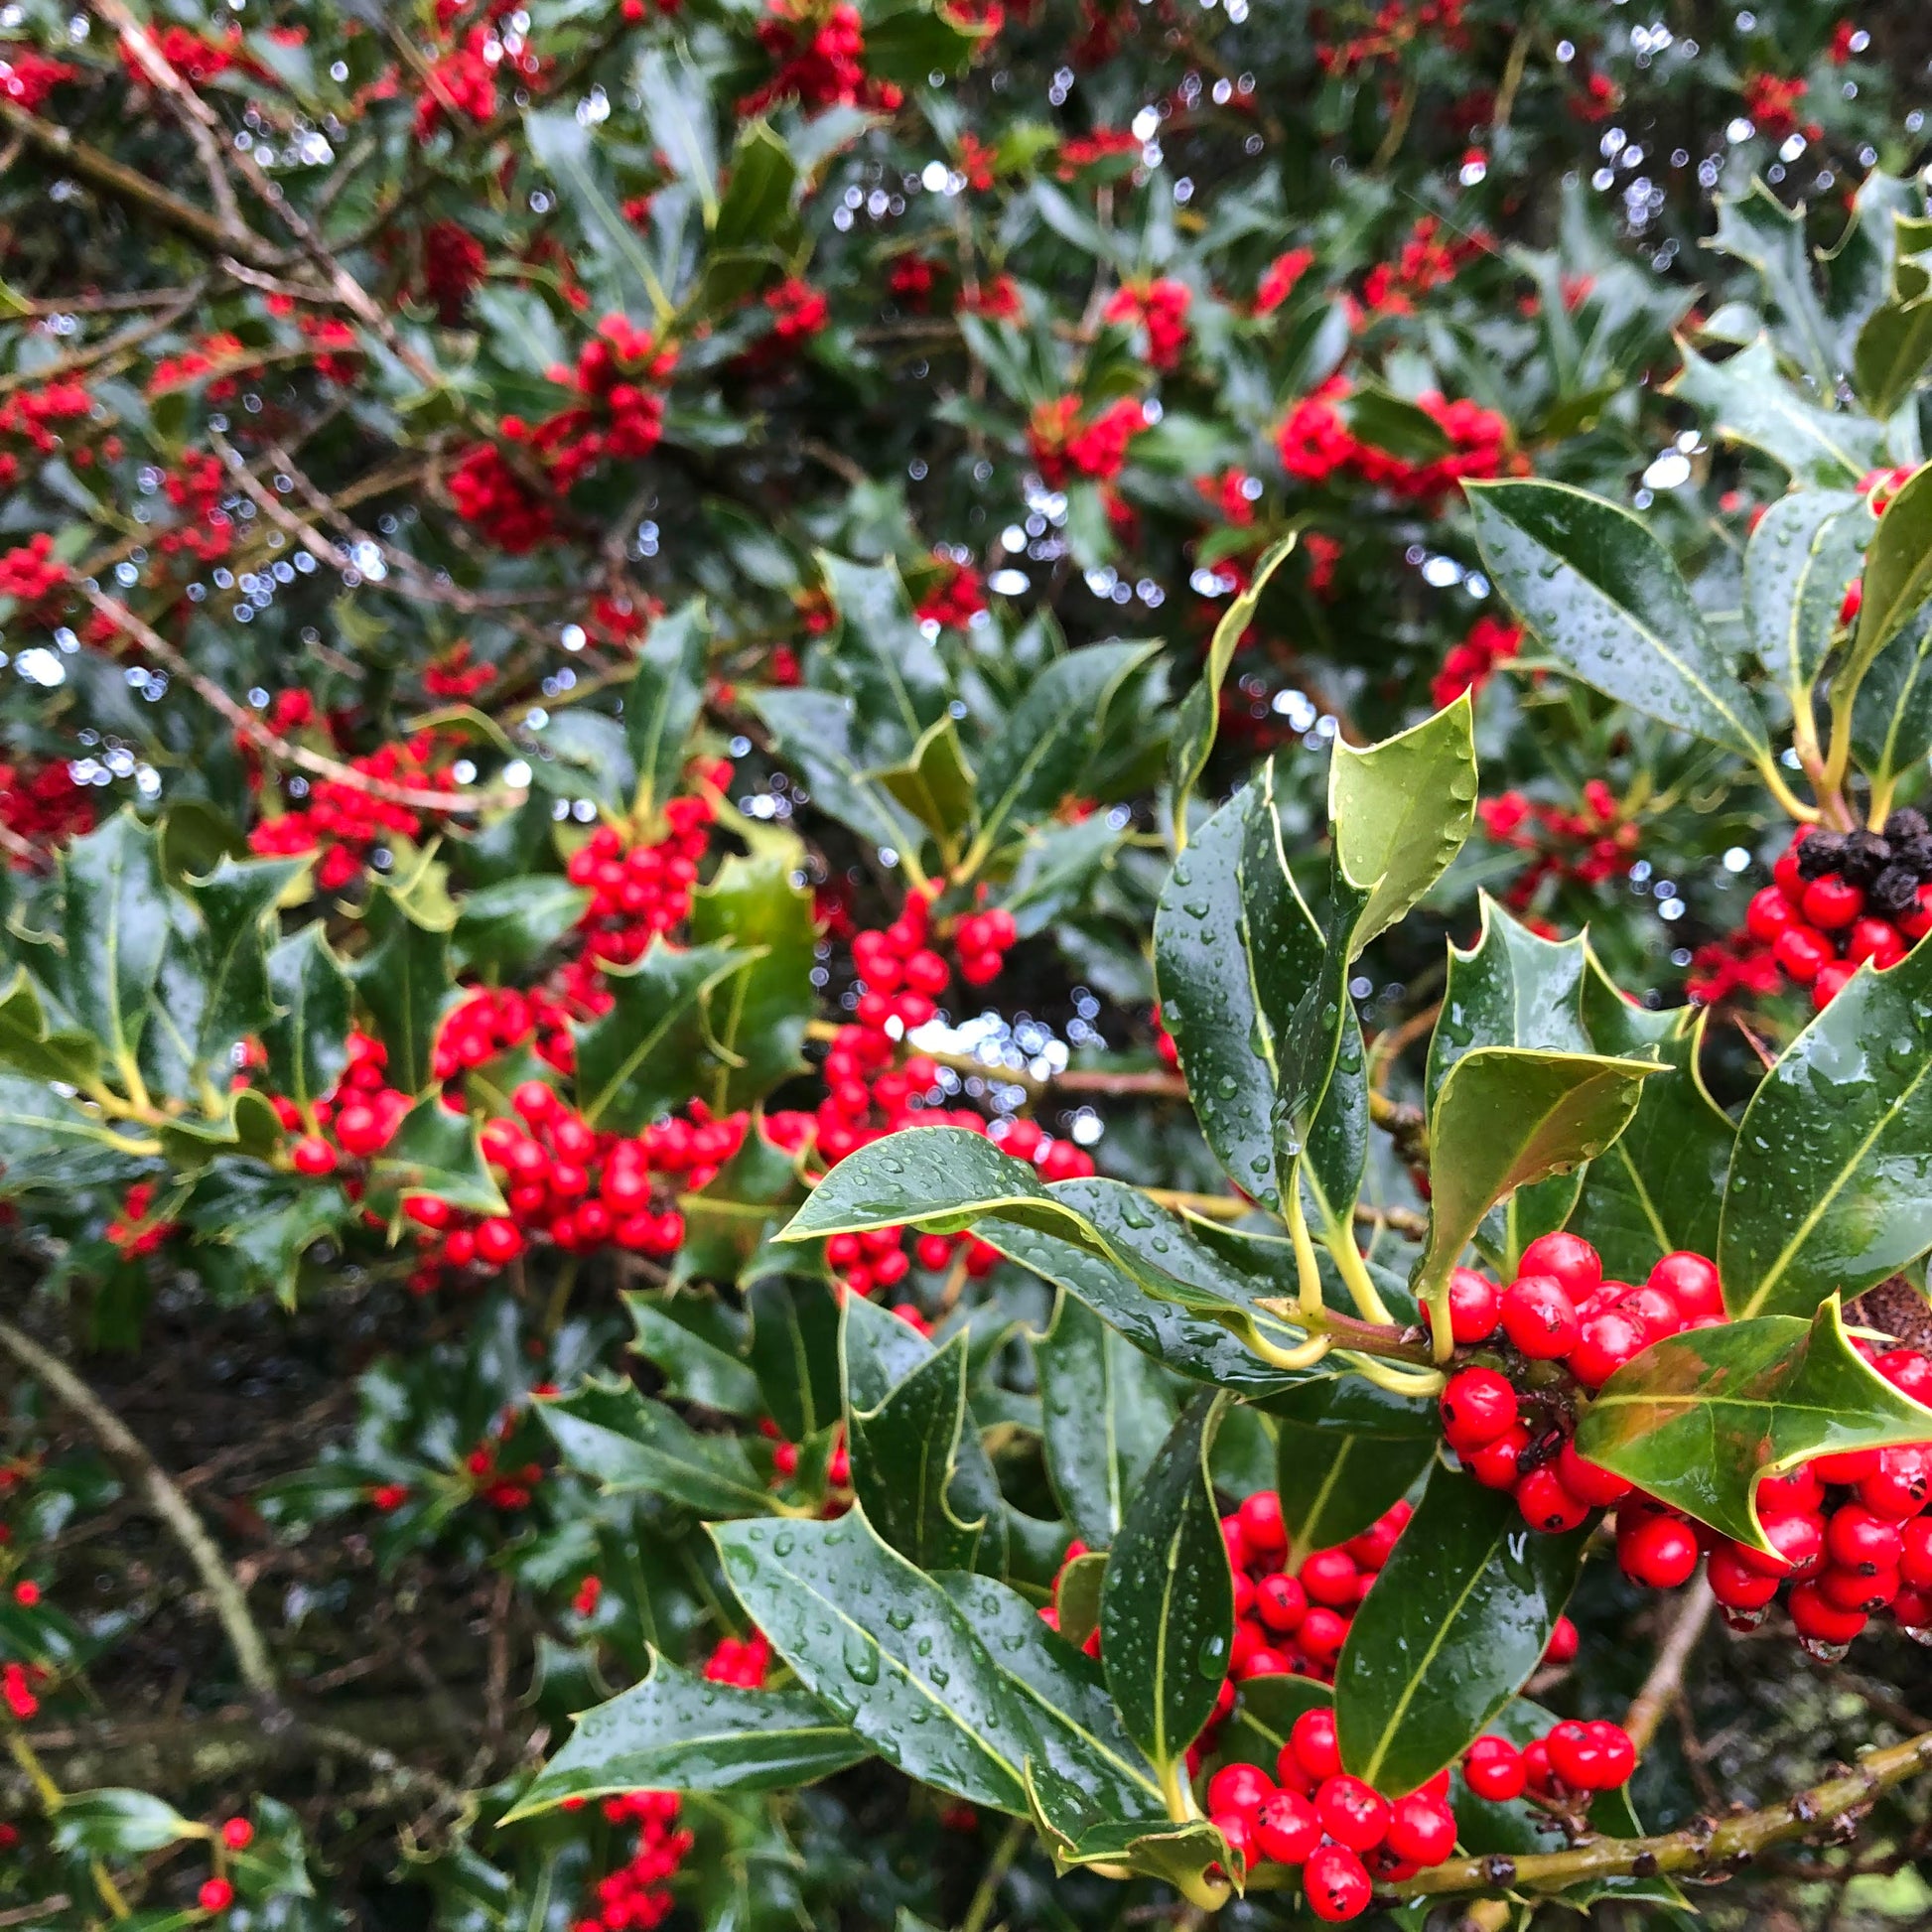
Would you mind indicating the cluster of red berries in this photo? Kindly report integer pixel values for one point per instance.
(361, 1111)
(500, 1487)
(32, 571)
(206, 532)
(1316, 444)
(637, 1897)
(619, 418)
(821, 60)
(18, 1684)
(1771, 102)
(27, 76)
(1427, 261)
(1588, 846)
(1063, 446)
(1159, 306)
(1570, 1762)
(452, 269)
(1279, 279)
(1559, 1309)
(490, 1021)
(799, 309)
(485, 491)
(1838, 898)
(640, 891)
(1341, 1831)
(44, 803)
(743, 1661)
(956, 597)
(1395, 26)
(131, 1232)
(1469, 666)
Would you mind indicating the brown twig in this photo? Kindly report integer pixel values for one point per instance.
(1665, 1684)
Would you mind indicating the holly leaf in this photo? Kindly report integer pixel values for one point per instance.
(1346, 1449)
(1806, 550)
(1748, 399)
(307, 1044)
(662, 702)
(1167, 1609)
(1897, 579)
(794, 1353)
(962, 1699)
(1831, 1183)
(1757, 228)
(117, 1824)
(1894, 349)
(1451, 1628)
(679, 1733)
(236, 902)
(1199, 716)
(692, 1340)
(114, 923)
(29, 1046)
(626, 1442)
(1265, 1710)
(757, 1016)
(934, 784)
(889, 668)
(1608, 602)
(647, 1055)
(436, 1152)
(1105, 1409)
(404, 981)
(1699, 1418)
(513, 923)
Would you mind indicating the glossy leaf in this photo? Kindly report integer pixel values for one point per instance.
(893, 672)
(1039, 755)
(1748, 399)
(661, 704)
(236, 901)
(28, 1045)
(1451, 1630)
(1757, 228)
(114, 924)
(562, 147)
(647, 1055)
(1699, 1418)
(1891, 715)
(756, 1017)
(690, 1340)
(436, 1152)
(1104, 1410)
(1831, 1185)
(307, 1044)
(404, 982)
(1167, 1610)
(1346, 1449)
(513, 923)
(1894, 349)
(625, 1442)
(265, 1221)
(934, 784)
(942, 1177)
(117, 1824)
(947, 1695)
(1807, 548)
(794, 1353)
(820, 731)
(677, 1732)
(757, 200)
(1898, 576)
(1606, 601)
(1198, 718)
(1506, 1117)
(1659, 1184)
(1076, 1596)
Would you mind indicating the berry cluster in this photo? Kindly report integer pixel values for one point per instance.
(618, 418)
(637, 1897)
(486, 491)
(361, 1113)
(821, 55)
(640, 891)
(1565, 1767)
(44, 803)
(743, 1661)
(490, 1021)
(1342, 1832)
(1160, 307)
(1317, 445)
(1559, 1309)
(132, 1232)
(32, 572)
(798, 311)
(1588, 846)
(1062, 446)
(1469, 666)
(1838, 898)
(957, 596)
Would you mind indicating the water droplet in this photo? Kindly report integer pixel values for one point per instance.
(783, 1544)
(890, 1164)
(900, 1619)
(861, 1659)
(1212, 1660)
(836, 1702)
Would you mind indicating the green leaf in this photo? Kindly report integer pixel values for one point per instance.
(1104, 1410)
(608, 1430)
(958, 1698)
(889, 668)
(662, 702)
(942, 1177)
(117, 1824)
(1608, 602)
(1454, 1626)
(1894, 349)
(1504, 1118)
(265, 1221)
(679, 1732)
(1264, 1713)
(1747, 401)
(757, 1016)
(113, 926)
(1805, 551)
(404, 982)
(1347, 1450)
(794, 1353)
(1831, 1185)
(647, 1055)
(1897, 577)
(561, 145)
(820, 732)
(676, 105)
(1698, 1419)
(236, 901)
(1757, 228)
(1659, 1187)
(1076, 1596)
(511, 925)
(38, 1131)
(1401, 810)
(1167, 1610)
(690, 1340)
(909, 44)
(28, 1045)
(1039, 755)
(906, 1455)
(1199, 716)
(936, 784)
(274, 1865)
(1891, 715)
(436, 1152)
(307, 1044)
(1391, 422)
(757, 198)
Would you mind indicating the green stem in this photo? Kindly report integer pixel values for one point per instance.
(1307, 1272)
(987, 1895)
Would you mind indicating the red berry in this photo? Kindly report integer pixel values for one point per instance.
(1280, 1604)
(1798, 1492)
(1262, 1528)
(1352, 1813)
(237, 1834)
(1546, 1505)
(1899, 1486)
(1801, 951)
(1562, 1647)
(1479, 1406)
(1847, 1466)
(1322, 1634)
(1859, 1590)
(1313, 1740)
(497, 1240)
(534, 1101)
(1337, 1883)
(1915, 1559)
(1657, 1551)
(1589, 1482)
(1736, 1584)
(312, 1154)
(1496, 1465)
(1604, 1343)
(1329, 1577)
(1540, 1317)
(1422, 1829)
(1567, 1259)
(1616, 1752)
(216, 1895)
(1287, 1828)
(1832, 902)
(1821, 1621)
(1237, 1827)
(1238, 1787)
(1876, 940)
(1492, 1767)
(1797, 1543)
(1830, 981)
(1768, 914)
(1691, 1282)
(1856, 1538)
(1916, 924)
(1475, 1306)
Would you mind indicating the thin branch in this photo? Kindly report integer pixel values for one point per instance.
(168, 1504)
(1665, 1684)
(105, 350)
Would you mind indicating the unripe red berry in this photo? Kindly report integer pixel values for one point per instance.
(1337, 1884)
(1659, 1552)
(1477, 1406)
(1567, 1259)
(1540, 1317)
(1493, 1768)
(1287, 1828)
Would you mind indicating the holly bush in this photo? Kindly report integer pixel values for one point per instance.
(961, 964)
